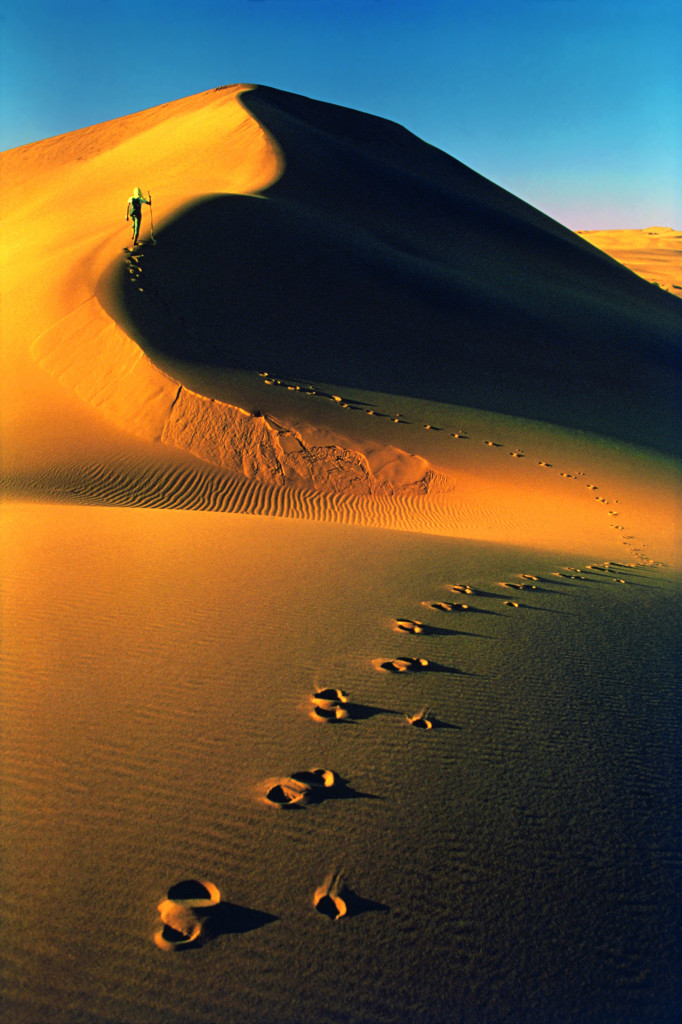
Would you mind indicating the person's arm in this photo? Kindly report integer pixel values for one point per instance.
(128, 212)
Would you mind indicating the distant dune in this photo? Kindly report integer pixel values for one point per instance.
(653, 253)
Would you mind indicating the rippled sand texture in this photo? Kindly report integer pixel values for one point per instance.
(518, 861)
(341, 582)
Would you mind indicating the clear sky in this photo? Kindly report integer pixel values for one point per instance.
(573, 105)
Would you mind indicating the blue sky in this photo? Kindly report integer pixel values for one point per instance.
(574, 105)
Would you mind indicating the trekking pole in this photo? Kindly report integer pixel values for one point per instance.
(151, 219)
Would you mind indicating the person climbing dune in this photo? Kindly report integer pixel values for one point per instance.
(135, 210)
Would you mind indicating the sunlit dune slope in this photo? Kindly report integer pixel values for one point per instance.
(63, 223)
(653, 253)
(380, 262)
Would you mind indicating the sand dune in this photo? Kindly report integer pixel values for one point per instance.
(321, 245)
(392, 267)
(653, 253)
(440, 433)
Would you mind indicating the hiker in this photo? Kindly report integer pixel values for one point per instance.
(135, 211)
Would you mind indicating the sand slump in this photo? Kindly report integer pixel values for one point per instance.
(92, 356)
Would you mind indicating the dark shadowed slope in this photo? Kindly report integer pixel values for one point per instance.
(378, 261)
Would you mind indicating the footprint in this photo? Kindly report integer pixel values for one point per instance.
(547, 465)
(512, 604)
(462, 588)
(332, 714)
(303, 787)
(492, 444)
(460, 435)
(328, 898)
(192, 893)
(318, 778)
(446, 606)
(421, 720)
(328, 705)
(181, 927)
(329, 698)
(183, 912)
(517, 455)
(518, 586)
(400, 664)
(289, 793)
(410, 626)
(527, 576)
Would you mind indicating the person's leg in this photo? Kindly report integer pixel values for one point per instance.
(136, 228)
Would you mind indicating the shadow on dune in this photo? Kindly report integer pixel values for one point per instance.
(377, 261)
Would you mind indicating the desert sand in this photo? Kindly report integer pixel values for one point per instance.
(654, 253)
(341, 578)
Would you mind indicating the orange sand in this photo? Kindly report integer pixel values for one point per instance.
(387, 378)
(653, 253)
